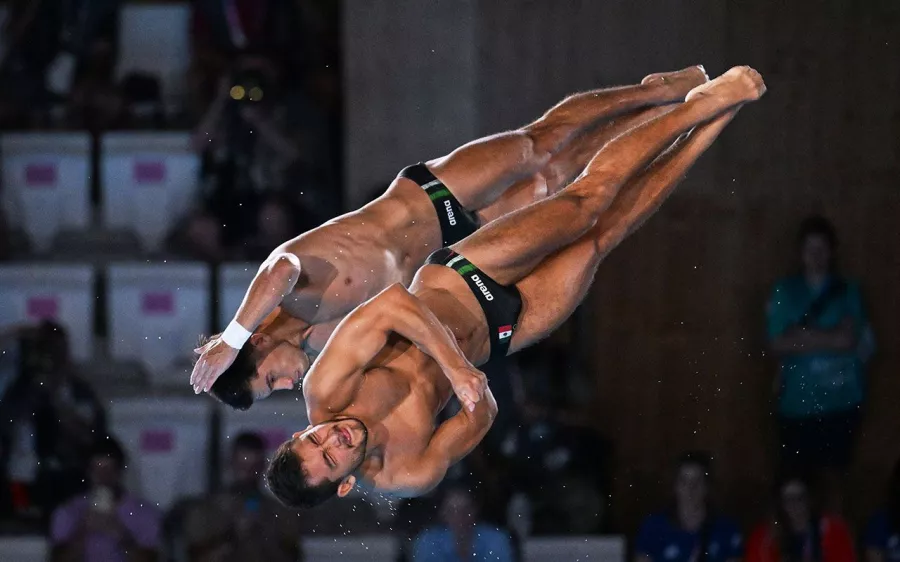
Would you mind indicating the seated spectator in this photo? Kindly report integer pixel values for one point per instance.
(277, 220)
(56, 421)
(108, 524)
(818, 329)
(882, 537)
(690, 530)
(462, 536)
(243, 523)
(95, 100)
(198, 237)
(30, 43)
(247, 149)
(799, 532)
(58, 51)
(141, 96)
(259, 160)
(220, 30)
(547, 440)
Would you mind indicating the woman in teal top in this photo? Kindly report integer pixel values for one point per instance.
(818, 329)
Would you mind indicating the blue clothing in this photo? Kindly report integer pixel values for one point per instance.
(879, 536)
(663, 540)
(824, 382)
(489, 544)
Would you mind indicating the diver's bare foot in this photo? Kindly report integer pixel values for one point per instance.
(741, 84)
(680, 81)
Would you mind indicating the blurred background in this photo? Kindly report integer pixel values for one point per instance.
(153, 153)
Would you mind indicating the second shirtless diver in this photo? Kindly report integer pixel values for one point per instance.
(310, 283)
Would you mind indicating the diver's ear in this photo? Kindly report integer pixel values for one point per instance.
(346, 486)
(258, 339)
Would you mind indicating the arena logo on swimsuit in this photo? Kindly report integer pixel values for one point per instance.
(450, 214)
(484, 290)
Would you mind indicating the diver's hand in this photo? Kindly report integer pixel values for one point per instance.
(469, 385)
(215, 357)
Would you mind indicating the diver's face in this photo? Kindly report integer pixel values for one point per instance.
(279, 366)
(332, 450)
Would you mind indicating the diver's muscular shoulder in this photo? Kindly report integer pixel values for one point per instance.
(342, 265)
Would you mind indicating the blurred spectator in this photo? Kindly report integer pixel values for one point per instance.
(277, 221)
(305, 35)
(260, 144)
(799, 532)
(559, 459)
(141, 97)
(95, 102)
(882, 537)
(817, 327)
(31, 42)
(242, 524)
(108, 524)
(690, 531)
(221, 29)
(56, 421)
(55, 49)
(462, 535)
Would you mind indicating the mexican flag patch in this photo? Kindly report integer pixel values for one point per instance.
(505, 331)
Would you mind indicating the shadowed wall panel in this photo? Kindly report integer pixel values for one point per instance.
(409, 77)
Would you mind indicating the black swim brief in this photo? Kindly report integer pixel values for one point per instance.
(501, 304)
(456, 221)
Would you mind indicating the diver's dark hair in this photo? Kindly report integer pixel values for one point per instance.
(233, 386)
(289, 483)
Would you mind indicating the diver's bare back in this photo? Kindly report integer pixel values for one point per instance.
(352, 257)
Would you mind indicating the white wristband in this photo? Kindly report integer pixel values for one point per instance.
(236, 335)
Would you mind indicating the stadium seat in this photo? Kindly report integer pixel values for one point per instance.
(602, 549)
(156, 313)
(166, 27)
(363, 548)
(64, 293)
(149, 181)
(167, 441)
(45, 184)
(24, 549)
